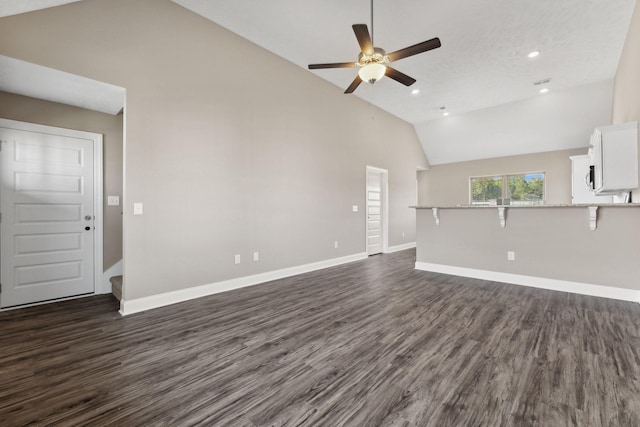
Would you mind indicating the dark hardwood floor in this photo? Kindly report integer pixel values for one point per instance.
(371, 343)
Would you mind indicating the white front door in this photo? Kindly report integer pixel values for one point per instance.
(374, 212)
(47, 224)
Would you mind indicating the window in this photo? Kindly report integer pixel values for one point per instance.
(486, 190)
(519, 189)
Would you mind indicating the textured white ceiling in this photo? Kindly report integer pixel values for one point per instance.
(24, 78)
(483, 59)
(14, 7)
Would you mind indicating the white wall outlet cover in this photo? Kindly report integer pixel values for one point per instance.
(137, 209)
(113, 200)
(335, 244)
(256, 256)
(511, 255)
(237, 259)
(355, 208)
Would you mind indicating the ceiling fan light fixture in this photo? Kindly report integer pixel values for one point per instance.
(371, 73)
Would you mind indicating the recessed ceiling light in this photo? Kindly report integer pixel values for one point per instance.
(534, 54)
(415, 91)
(544, 90)
(446, 113)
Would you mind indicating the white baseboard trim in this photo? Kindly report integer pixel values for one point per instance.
(397, 248)
(155, 301)
(105, 286)
(535, 282)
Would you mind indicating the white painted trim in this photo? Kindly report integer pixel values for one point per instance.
(125, 194)
(34, 304)
(397, 248)
(114, 270)
(535, 282)
(154, 301)
(97, 183)
(98, 207)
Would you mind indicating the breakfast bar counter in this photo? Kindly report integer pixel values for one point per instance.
(589, 249)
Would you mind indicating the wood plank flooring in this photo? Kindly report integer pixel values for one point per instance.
(371, 343)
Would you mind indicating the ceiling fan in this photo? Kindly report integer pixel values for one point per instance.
(373, 60)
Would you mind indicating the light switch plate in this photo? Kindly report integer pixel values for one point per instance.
(137, 208)
(113, 200)
(355, 208)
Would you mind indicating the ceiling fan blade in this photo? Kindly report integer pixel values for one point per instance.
(353, 85)
(333, 65)
(364, 39)
(399, 77)
(415, 49)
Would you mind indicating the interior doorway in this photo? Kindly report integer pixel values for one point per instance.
(51, 205)
(377, 210)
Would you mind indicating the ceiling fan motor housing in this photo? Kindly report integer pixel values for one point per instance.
(379, 57)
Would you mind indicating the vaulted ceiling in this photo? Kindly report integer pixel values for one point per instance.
(483, 60)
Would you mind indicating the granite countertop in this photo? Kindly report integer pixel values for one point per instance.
(562, 205)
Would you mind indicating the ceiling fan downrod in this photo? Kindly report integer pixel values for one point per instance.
(372, 23)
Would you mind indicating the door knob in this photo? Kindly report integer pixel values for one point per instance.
(87, 228)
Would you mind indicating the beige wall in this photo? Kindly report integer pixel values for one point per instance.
(446, 185)
(553, 243)
(230, 148)
(22, 108)
(626, 92)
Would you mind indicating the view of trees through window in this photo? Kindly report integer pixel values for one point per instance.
(522, 189)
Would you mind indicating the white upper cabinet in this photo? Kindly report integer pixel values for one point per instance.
(614, 157)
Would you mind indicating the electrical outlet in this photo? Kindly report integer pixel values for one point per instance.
(237, 260)
(137, 209)
(403, 234)
(355, 208)
(335, 244)
(256, 256)
(511, 256)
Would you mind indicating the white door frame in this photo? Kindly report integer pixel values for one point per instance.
(385, 208)
(97, 189)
